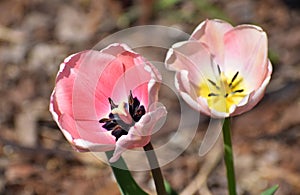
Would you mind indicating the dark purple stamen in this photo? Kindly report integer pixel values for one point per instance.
(230, 85)
(214, 84)
(136, 111)
(115, 124)
(233, 78)
(212, 94)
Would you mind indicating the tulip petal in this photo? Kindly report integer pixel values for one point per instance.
(194, 65)
(150, 79)
(127, 65)
(64, 85)
(67, 125)
(255, 96)
(140, 134)
(185, 89)
(194, 57)
(211, 33)
(86, 100)
(82, 145)
(143, 72)
(61, 98)
(64, 99)
(246, 52)
(75, 132)
(211, 30)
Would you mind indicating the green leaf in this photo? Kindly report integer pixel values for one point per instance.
(270, 191)
(126, 183)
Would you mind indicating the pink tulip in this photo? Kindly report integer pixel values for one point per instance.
(105, 100)
(221, 70)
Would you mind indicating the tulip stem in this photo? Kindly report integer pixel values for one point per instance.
(155, 169)
(228, 157)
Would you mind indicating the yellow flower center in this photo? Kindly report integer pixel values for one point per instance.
(223, 92)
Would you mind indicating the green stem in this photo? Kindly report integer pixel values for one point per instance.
(156, 172)
(228, 157)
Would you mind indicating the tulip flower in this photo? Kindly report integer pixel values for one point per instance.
(106, 100)
(221, 70)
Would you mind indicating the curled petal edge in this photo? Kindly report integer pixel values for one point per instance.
(188, 94)
(140, 134)
(201, 27)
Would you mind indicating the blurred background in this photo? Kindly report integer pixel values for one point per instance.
(35, 37)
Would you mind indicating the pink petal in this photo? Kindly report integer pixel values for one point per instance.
(153, 87)
(255, 96)
(140, 134)
(61, 97)
(68, 127)
(75, 131)
(102, 76)
(86, 98)
(194, 57)
(211, 33)
(64, 85)
(182, 83)
(65, 98)
(246, 52)
(203, 106)
(194, 65)
(141, 70)
(92, 131)
(147, 94)
(185, 89)
(127, 72)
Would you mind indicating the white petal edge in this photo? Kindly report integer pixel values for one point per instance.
(199, 27)
(170, 53)
(93, 147)
(122, 46)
